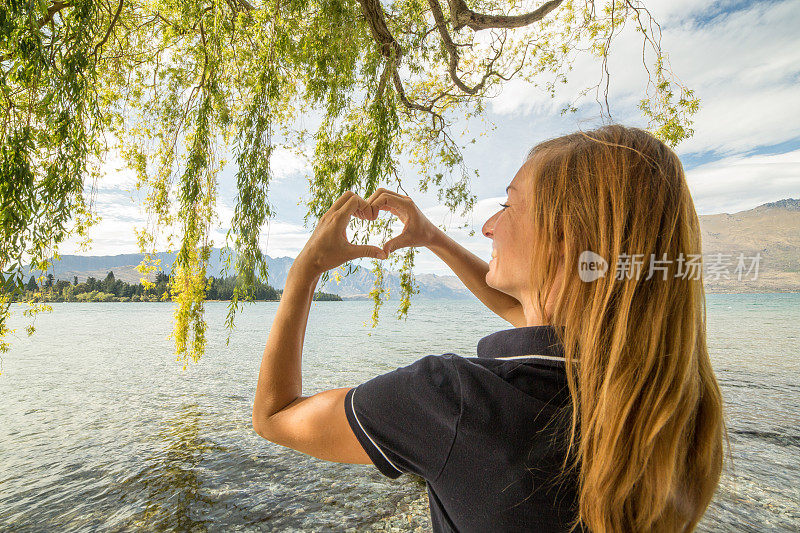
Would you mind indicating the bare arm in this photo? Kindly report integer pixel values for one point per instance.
(471, 270)
(316, 425)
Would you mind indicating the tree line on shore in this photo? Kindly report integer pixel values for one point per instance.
(115, 290)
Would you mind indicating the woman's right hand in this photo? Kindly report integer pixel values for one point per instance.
(417, 229)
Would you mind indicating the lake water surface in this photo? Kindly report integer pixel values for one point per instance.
(101, 429)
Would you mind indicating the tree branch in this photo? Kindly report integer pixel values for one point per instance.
(373, 13)
(435, 117)
(391, 50)
(462, 16)
(110, 28)
(44, 21)
(51, 12)
(452, 52)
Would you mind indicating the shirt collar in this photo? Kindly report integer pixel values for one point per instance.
(517, 342)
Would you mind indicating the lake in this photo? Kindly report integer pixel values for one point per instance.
(101, 429)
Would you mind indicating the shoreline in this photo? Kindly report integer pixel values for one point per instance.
(344, 298)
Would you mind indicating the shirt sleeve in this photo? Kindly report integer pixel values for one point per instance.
(406, 419)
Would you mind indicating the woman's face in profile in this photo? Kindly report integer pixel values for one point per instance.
(511, 232)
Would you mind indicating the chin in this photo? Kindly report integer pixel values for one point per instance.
(489, 279)
(491, 282)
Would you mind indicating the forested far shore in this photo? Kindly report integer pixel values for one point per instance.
(115, 290)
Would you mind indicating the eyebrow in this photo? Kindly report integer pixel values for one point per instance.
(510, 187)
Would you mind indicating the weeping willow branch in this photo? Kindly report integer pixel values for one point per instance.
(176, 86)
(99, 45)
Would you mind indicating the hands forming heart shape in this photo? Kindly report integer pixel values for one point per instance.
(328, 246)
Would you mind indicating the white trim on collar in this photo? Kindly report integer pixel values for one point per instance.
(548, 357)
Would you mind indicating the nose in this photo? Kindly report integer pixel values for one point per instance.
(488, 226)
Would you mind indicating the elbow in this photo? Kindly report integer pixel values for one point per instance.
(256, 428)
(259, 424)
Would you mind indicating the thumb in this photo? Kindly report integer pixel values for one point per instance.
(365, 250)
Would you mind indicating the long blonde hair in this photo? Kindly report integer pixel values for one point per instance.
(646, 435)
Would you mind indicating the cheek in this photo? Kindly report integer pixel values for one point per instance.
(519, 252)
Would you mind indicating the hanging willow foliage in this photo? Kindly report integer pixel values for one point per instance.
(176, 86)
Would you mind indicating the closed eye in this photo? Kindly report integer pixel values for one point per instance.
(504, 206)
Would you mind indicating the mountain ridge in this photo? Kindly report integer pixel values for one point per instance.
(771, 230)
(356, 285)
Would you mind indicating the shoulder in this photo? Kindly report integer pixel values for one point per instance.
(515, 383)
(430, 378)
(407, 419)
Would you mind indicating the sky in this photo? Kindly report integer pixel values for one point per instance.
(742, 59)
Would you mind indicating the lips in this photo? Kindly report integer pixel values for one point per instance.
(494, 253)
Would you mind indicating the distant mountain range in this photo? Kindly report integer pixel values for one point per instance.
(771, 230)
(357, 285)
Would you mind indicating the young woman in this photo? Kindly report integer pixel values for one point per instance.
(599, 410)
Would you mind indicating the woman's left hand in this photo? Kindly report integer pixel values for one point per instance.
(328, 246)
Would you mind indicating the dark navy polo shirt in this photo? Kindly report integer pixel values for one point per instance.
(487, 433)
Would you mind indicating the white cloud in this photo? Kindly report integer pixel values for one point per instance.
(744, 120)
(277, 238)
(280, 238)
(115, 173)
(743, 65)
(670, 10)
(737, 182)
(286, 163)
(112, 235)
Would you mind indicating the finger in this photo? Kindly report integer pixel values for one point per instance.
(343, 199)
(353, 204)
(365, 250)
(378, 192)
(374, 196)
(364, 213)
(397, 205)
(401, 241)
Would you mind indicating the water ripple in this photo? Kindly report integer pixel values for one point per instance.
(103, 431)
